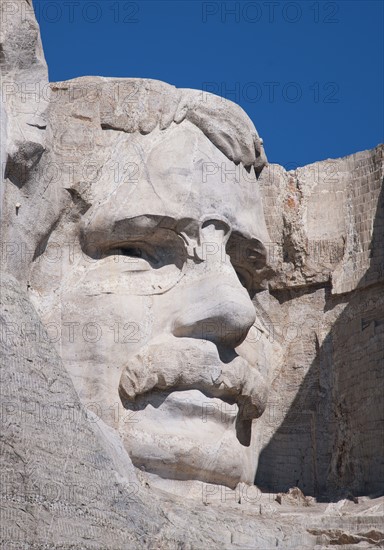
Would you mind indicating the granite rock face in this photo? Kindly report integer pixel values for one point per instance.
(326, 309)
(180, 321)
(25, 95)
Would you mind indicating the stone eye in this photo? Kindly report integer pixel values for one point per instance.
(130, 251)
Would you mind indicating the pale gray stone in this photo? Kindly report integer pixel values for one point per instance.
(180, 320)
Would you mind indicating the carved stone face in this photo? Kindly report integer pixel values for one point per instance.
(153, 301)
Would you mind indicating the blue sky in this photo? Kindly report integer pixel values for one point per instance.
(309, 74)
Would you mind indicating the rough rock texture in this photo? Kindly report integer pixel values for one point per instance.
(330, 225)
(25, 90)
(293, 384)
(65, 483)
(25, 96)
(59, 484)
(327, 310)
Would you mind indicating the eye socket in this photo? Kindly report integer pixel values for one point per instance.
(251, 253)
(131, 252)
(134, 252)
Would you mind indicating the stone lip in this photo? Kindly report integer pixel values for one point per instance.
(157, 367)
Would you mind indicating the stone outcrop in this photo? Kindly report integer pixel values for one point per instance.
(25, 96)
(330, 222)
(326, 310)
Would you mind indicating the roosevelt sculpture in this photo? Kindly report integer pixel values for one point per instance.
(157, 247)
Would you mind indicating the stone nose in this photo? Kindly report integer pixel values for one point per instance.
(215, 308)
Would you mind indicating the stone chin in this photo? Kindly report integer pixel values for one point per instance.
(185, 435)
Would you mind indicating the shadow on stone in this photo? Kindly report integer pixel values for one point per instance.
(331, 442)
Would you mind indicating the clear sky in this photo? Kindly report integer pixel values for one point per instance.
(308, 73)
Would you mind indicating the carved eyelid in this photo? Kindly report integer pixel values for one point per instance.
(155, 246)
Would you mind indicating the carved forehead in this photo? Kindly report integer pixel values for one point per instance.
(180, 175)
(183, 151)
(182, 144)
(173, 151)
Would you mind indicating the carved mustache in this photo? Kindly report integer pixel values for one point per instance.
(185, 364)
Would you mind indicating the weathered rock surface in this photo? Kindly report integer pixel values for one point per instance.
(330, 222)
(326, 309)
(293, 384)
(25, 95)
(66, 484)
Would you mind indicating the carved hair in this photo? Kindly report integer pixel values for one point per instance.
(141, 105)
